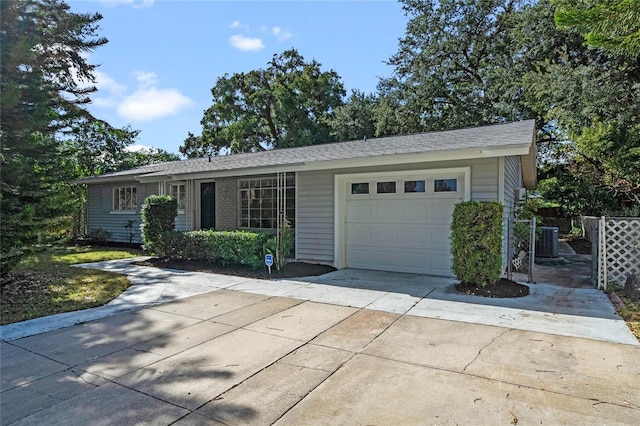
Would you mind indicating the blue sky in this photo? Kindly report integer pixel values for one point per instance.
(164, 56)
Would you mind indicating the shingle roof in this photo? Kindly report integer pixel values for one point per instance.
(487, 137)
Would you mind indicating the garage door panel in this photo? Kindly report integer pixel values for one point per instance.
(385, 236)
(442, 211)
(358, 211)
(440, 237)
(411, 237)
(415, 211)
(384, 211)
(416, 260)
(358, 234)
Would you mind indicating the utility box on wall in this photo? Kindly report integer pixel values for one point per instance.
(547, 242)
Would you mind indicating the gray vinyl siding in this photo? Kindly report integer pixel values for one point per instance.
(485, 180)
(99, 215)
(315, 226)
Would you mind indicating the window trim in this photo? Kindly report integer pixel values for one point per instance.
(134, 199)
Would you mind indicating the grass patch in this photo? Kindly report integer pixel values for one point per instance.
(630, 313)
(45, 283)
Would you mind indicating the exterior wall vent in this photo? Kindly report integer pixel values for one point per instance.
(547, 242)
(519, 195)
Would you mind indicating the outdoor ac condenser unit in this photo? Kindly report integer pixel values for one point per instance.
(547, 242)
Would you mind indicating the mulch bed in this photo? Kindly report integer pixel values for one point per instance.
(503, 288)
(580, 245)
(290, 270)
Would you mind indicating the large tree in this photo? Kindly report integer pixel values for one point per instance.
(286, 104)
(454, 66)
(473, 62)
(45, 81)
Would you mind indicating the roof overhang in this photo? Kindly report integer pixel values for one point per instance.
(383, 160)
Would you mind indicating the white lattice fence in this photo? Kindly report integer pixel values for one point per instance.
(622, 237)
(616, 248)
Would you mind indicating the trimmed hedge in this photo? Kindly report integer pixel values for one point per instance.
(158, 220)
(239, 247)
(476, 242)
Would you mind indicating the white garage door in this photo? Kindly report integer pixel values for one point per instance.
(401, 224)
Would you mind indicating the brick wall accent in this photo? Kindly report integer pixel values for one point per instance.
(226, 204)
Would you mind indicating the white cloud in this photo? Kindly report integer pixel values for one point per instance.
(246, 43)
(139, 148)
(109, 90)
(146, 79)
(146, 103)
(234, 24)
(151, 103)
(136, 4)
(280, 34)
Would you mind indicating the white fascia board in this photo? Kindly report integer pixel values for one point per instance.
(467, 154)
(107, 179)
(151, 179)
(247, 171)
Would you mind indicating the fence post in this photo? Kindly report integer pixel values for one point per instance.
(532, 247)
(510, 243)
(602, 256)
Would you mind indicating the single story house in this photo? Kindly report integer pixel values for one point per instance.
(383, 203)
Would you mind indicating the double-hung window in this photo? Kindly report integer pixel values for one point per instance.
(124, 199)
(178, 191)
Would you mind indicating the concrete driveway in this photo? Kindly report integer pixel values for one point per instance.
(236, 356)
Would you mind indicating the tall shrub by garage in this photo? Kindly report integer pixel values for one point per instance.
(158, 220)
(476, 242)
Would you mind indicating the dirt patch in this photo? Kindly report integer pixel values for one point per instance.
(579, 245)
(18, 287)
(290, 270)
(503, 288)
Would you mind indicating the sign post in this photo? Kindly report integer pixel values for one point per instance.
(268, 260)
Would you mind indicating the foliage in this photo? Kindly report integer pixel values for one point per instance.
(455, 66)
(236, 247)
(612, 25)
(285, 105)
(464, 63)
(158, 220)
(143, 157)
(98, 148)
(476, 242)
(45, 80)
(280, 245)
(44, 283)
(356, 118)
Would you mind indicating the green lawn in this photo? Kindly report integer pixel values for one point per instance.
(45, 283)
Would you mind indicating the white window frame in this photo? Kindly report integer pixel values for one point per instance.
(124, 206)
(181, 197)
(249, 188)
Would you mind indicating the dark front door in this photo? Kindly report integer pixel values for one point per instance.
(208, 205)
